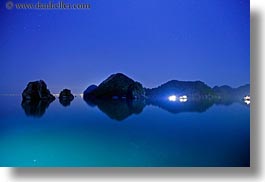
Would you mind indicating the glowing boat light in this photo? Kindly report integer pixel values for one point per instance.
(183, 98)
(247, 102)
(247, 99)
(172, 98)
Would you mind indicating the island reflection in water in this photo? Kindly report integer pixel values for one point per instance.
(120, 109)
(65, 102)
(35, 108)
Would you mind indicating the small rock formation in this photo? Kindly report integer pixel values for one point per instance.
(66, 97)
(36, 91)
(116, 86)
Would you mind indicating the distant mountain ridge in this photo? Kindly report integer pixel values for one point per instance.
(227, 92)
(120, 86)
(193, 89)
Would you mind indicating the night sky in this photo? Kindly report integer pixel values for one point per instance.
(151, 41)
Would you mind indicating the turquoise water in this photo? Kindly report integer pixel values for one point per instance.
(83, 134)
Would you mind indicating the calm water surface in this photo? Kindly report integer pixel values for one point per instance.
(83, 134)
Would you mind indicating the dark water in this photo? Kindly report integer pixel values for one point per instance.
(118, 133)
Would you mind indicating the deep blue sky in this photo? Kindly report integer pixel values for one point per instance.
(152, 41)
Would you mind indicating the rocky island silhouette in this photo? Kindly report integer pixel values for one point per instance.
(120, 96)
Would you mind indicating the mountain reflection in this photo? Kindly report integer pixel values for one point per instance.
(118, 109)
(189, 106)
(65, 102)
(228, 102)
(35, 108)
